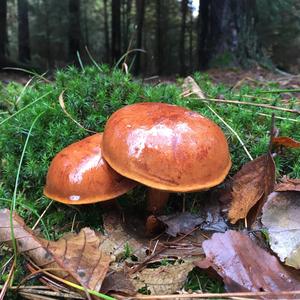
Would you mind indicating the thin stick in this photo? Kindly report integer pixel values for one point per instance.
(280, 91)
(41, 216)
(8, 280)
(234, 132)
(218, 295)
(251, 103)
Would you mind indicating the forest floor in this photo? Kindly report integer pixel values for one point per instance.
(90, 98)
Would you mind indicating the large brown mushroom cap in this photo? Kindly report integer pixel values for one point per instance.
(79, 175)
(166, 147)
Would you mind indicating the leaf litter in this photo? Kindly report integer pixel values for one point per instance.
(75, 257)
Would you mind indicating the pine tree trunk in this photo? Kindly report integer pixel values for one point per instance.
(127, 24)
(115, 30)
(3, 31)
(228, 34)
(74, 30)
(159, 42)
(184, 6)
(106, 34)
(191, 29)
(23, 31)
(140, 9)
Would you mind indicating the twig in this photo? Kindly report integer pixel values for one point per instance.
(251, 103)
(280, 91)
(233, 131)
(218, 295)
(41, 216)
(7, 282)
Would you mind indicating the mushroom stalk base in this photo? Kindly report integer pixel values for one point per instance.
(156, 200)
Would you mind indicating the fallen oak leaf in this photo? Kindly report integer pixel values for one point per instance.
(281, 218)
(76, 258)
(254, 182)
(285, 141)
(244, 266)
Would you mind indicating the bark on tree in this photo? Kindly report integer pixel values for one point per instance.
(74, 30)
(115, 30)
(140, 12)
(228, 32)
(191, 29)
(106, 33)
(3, 31)
(184, 7)
(159, 43)
(127, 19)
(23, 31)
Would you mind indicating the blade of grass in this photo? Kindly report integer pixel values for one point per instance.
(25, 107)
(125, 55)
(80, 61)
(14, 199)
(28, 72)
(92, 59)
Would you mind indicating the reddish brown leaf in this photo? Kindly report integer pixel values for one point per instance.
(78, 257)
(244, 266)
(287, 184)
(254, 182)
(286, 142)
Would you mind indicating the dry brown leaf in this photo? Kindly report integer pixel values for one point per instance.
(76, 257)
(163, 280)
(285, 141)
(288, 184)
(118, 282)
(252, 183)
(180, 223)
(190, 87)
(244, 266)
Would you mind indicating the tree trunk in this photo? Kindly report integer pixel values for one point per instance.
(191, 30)
(49, 55)
(115, 30)
(23, 31)
(140, 12)
(228, 34)
(106, 33)
(127, 24)
(159, 42)
(74, 30)
(184, 6)
(3, 32)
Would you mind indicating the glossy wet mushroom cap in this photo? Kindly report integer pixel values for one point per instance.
(79, 175)
(166, 147)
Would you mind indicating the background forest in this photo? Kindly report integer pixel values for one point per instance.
(176, 37)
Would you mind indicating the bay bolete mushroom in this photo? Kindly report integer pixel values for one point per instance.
(79, 175)
(167, 148)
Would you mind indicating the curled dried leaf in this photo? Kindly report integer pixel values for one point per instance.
(252, 183)
(285, 141)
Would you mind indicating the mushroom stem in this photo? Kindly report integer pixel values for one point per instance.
(156, 200)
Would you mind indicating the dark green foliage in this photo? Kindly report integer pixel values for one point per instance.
(91, 97)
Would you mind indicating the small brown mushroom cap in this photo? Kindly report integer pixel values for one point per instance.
(166, 147)
(79, 175)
